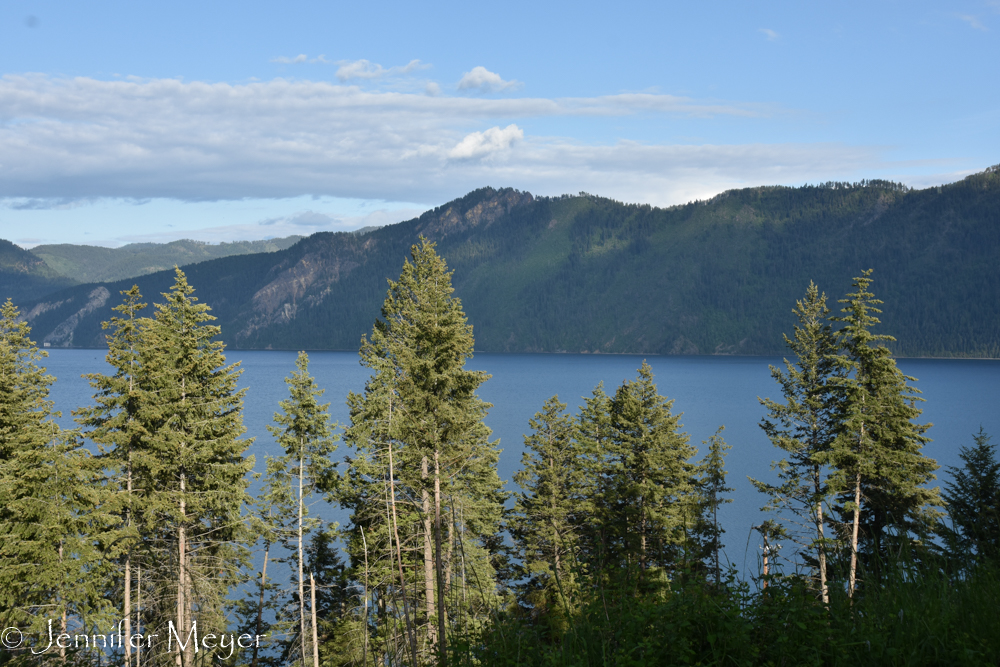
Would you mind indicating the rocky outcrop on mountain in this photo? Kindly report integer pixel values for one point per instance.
(306, 281)
(62, 335)
(454, 218)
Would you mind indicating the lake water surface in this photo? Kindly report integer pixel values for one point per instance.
(709, 391)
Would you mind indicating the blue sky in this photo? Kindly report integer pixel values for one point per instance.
(125, 121)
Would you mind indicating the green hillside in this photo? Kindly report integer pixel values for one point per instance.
(587, 274)
(94, 264)
(24, 277)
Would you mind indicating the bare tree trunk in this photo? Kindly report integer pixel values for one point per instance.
(461, 550)
(642, 537)
(555, 530)
(138, 613)
(182, 601)
(821, 546)
(439, 565)
(260, 604)
(62, 604)
(854, 536)
(715, 536)
(302, 599)
(127, 610)
(411, 634)
(767, 554)
(181, 574)
(364, 654)
(428, 556)
(315, 632)
(450, 552)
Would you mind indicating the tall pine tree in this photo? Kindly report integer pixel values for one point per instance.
(973, 498)
(195, 483)
(114, 426)
(804, 427)
(424, 485)
(647, 500)
(545, 514)
(712, 488)
(304, 432)
(52, 517)
(879, 471)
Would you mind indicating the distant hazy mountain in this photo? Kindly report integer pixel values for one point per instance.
(586, 274)
(93, 264)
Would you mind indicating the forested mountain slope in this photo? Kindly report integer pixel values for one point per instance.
(93, 264)
(25, 277)
(586, 274)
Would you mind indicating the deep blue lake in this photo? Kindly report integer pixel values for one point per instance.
(960, 396)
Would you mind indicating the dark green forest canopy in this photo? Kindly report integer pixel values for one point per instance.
(587, 274)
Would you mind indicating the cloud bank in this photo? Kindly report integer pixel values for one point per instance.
(193, 141)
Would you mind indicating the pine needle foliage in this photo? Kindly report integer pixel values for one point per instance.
(879, 472)
(423, 485)
(973, 502)
(545, 521)
(194, 477)
(304, 432)
(647, 498)
(51, 501)
(804, 426)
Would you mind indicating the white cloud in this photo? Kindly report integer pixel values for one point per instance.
(770, 34)
(488, 142)
(164, 138)
(483, 80)
(364, 69)
(301, 58)
(973, 22)
(432, 89)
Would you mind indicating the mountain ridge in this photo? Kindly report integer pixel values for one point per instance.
(588, 274)
(93, 264)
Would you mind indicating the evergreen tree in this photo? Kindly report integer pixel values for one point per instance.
(272, 523)
(973, 502)
(333, 599)
(424, 485)
(712, 487)
(647, 499)
(544, 511)
(304, 432)
(195, 484)
(114, 426)
(879, 470)
(51, 515)
(593, 441)
(804, 427)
